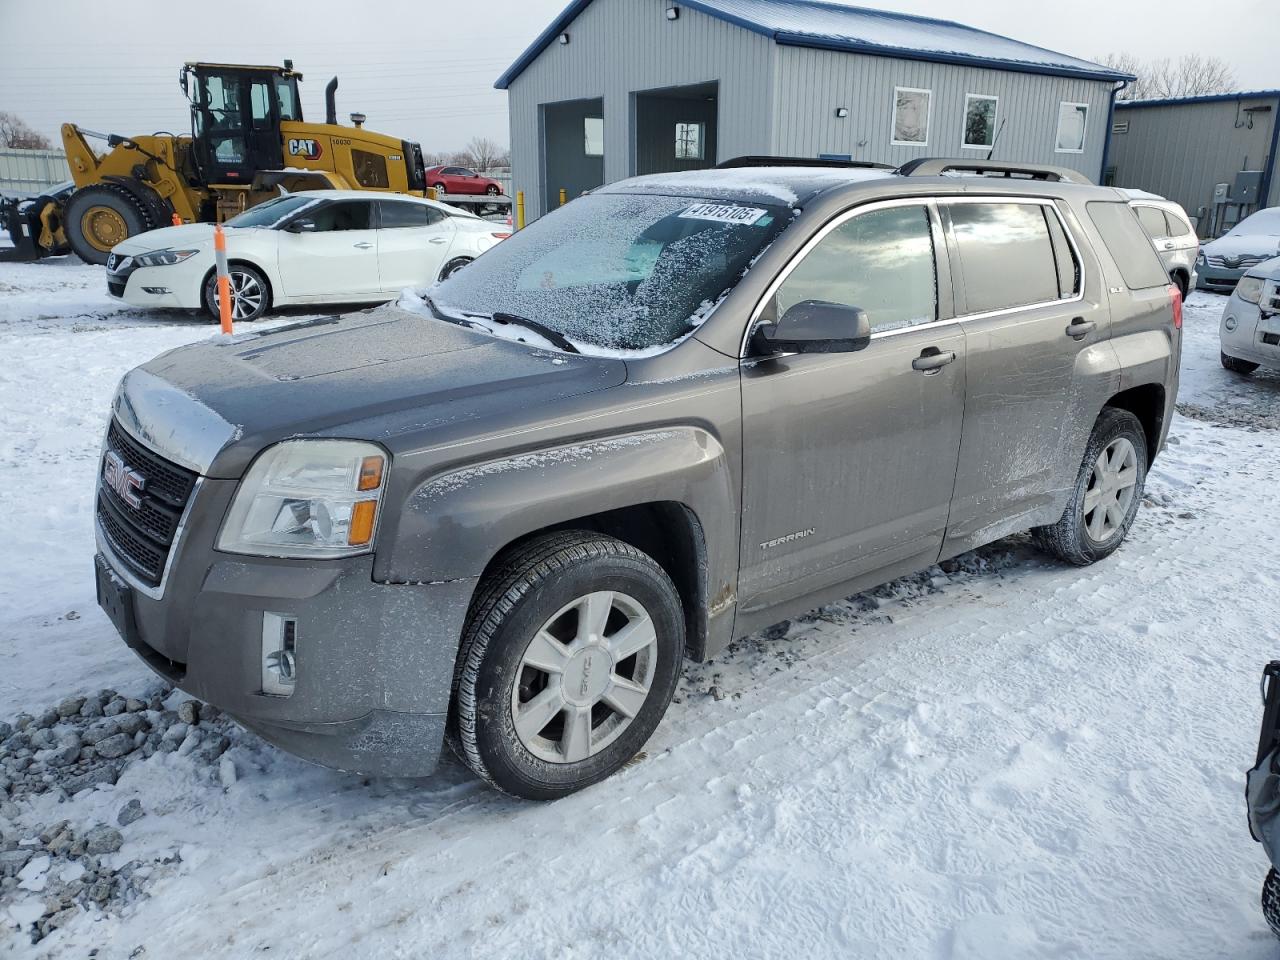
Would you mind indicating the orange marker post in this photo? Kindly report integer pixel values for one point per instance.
(224, 278)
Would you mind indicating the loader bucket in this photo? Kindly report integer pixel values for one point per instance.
(22, 233)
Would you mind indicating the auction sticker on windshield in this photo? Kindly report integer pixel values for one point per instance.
(724, 213)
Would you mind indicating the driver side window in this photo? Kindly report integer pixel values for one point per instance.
(344, 215)
(881, 261)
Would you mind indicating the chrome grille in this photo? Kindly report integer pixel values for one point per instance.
(1235, 263)
(142, 533)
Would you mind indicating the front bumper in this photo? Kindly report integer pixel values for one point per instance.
(374, 661)
(1255, 337)
(1225, 279)
(178, 286)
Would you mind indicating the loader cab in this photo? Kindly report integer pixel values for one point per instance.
(236, 112)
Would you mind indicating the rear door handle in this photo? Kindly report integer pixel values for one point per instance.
(1080, 328)
(931, 360)
(364, 246)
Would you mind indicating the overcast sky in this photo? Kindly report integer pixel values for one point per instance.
(424, 69)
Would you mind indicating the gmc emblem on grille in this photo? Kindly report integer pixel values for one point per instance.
(123, 479)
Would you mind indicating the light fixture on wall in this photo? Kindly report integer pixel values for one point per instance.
(673, 13)
(842, 112)
(564, 38)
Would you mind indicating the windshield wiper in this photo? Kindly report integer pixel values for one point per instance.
(555, 336)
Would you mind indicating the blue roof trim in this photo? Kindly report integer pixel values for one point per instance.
(1208, 98)
(571, 12)
(934, 56)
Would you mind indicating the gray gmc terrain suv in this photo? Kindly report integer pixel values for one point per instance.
(671, 413)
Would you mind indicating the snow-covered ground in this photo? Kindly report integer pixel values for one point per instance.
(1005, 758)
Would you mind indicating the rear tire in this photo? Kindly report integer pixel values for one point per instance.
(1271, 900)
(453, 266)
(250, 294)
(440, 190)
(1106, 495)
(571, 654)
(1236, 365)
(98, 217)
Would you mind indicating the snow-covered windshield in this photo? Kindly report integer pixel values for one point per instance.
(1264, 223)
(270, 213)
(617, 271)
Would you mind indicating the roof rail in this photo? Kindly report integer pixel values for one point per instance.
(800, 162)
(938, 166)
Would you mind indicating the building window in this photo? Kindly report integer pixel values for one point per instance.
(911, 116)
(593, 131)
(1072, 121)
(689, 141)
(980, 121)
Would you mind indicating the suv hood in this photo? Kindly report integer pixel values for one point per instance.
(213, 406)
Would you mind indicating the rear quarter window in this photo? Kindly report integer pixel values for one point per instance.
(1128, 243)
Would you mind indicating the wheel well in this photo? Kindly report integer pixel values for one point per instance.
(667, 531)
(1147, 404)
(266, 278)
(1178, 274)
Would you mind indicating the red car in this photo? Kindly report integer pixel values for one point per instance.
(461, 180)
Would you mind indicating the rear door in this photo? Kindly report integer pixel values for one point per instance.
(414, 241)
(849, 458)
(1035, 318)
(338, 260)
(1156, 227)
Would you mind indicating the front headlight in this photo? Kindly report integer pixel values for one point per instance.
(1249, 289)
(163, 258)
(307, 498)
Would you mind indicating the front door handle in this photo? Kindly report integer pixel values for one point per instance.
(931, 360)
(364, 246)
(438, 240)
(1080, 328)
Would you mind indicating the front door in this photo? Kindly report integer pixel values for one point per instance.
(338, 259)
(849, 458)
(236, 120)
(413, 244)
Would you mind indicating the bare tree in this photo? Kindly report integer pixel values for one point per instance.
(483, 153)
(15, 133)
(1190, 76)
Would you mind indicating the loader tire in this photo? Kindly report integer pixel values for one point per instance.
(97, 218)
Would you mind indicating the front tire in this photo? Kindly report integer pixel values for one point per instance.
(1236, 365)
(98, 217)
(1107, 492)
(569, 659)
(1271, 900)
(250, 294)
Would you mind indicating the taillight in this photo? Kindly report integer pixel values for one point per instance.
(1175, 298)
(503, 236)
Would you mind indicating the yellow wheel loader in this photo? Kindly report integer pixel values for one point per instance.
(248, 143)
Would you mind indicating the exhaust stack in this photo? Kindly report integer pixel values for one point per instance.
(331, 102)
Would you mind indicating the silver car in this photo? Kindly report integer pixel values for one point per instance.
(1251, 241)
(1171, 233)
(1250, 330)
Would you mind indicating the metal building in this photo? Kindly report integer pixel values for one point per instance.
(1216, 155)
(616, 88)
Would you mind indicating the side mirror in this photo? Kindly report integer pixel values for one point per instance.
(302, 225)
(815, 326)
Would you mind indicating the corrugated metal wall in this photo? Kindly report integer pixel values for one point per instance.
(1181, 150)
(32, 171)
(618, 47)
(811, 84)
(779, 100)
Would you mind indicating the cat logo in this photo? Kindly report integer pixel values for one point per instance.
(307, 149)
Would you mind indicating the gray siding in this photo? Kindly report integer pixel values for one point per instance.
(618, 47)
(1181, 150)
(811, 84)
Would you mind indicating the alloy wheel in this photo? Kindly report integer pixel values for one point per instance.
(246, 295)
(1110, 492)
(584, 677)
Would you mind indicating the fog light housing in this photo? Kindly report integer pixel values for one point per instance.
(1229, 323)
(156, 291)
(279, 654)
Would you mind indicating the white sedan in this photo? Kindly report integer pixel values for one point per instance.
(331, 246)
